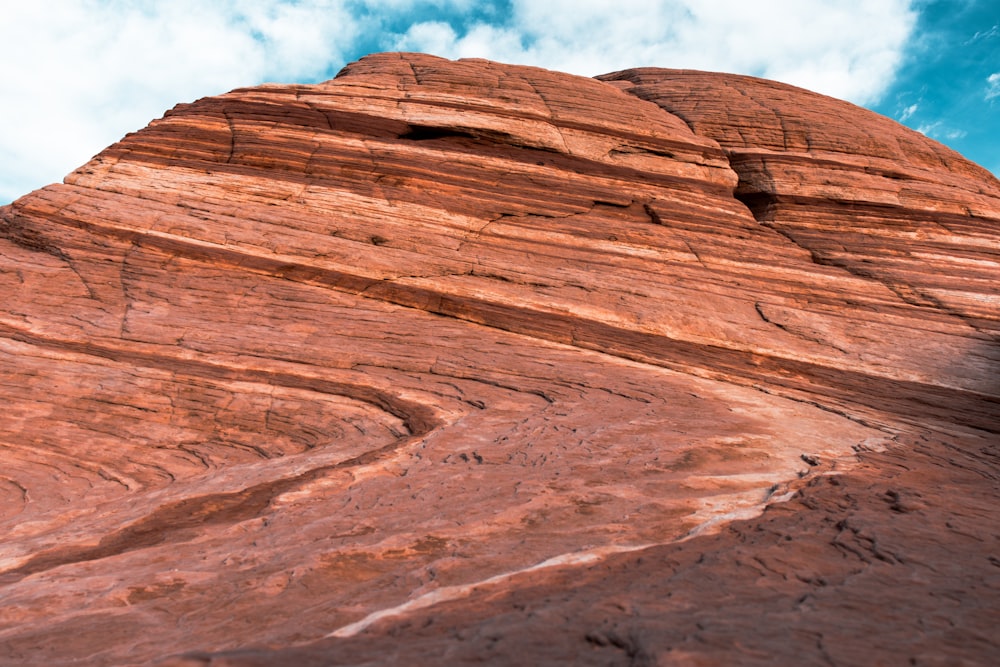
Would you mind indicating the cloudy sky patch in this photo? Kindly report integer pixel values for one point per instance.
(79, 74)
(993, 86)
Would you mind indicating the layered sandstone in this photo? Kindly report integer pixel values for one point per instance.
(298, 368)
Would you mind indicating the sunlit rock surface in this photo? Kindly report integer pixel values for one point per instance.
(460, 361)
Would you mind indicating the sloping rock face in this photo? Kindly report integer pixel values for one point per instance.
(459, 361)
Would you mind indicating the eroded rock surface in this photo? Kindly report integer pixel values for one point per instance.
(494, 363)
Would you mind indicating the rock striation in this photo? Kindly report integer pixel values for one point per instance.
(460, 361)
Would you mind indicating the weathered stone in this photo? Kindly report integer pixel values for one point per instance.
(494, 363)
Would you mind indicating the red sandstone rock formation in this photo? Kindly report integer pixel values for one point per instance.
(458, 361)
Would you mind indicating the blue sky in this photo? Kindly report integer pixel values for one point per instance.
(948, 84)
(77, 75)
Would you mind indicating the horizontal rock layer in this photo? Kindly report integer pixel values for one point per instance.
(297, 364)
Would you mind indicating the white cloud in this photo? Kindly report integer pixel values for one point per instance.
(928, 129)
(984, 34)
(908, 112)
(78, 77)
(845, 48)
(938, 130)
(993, 86)
(79, 74)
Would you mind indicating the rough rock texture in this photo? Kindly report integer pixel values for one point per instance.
(458, 361)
